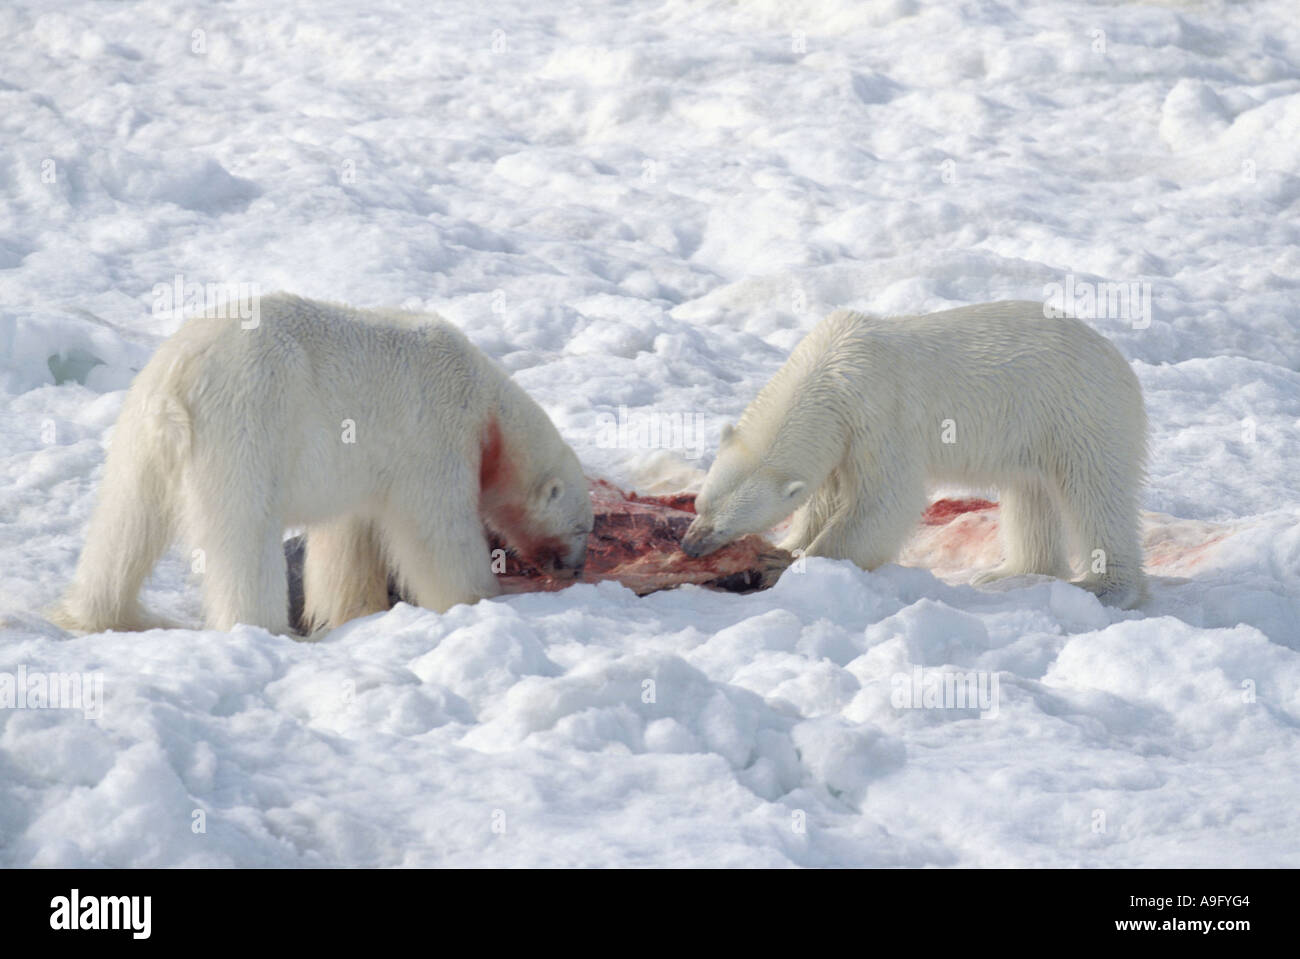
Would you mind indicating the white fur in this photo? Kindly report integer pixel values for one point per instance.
(850, 432)
(228, 436)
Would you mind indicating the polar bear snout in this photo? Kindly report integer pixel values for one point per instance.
(576, 559)
(558, 558)
(701, 539)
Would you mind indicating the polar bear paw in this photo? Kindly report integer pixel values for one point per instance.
(997, 573)
(1121, 595)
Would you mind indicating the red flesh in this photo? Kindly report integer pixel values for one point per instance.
(636, 541)
(943, 511)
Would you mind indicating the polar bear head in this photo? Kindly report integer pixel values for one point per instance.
(537, 499)
(559, 517)
(742, 494)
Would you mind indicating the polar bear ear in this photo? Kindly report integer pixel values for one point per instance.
(728, 432)
(793, 489)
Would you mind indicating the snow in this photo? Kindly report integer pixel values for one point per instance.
(647, 204)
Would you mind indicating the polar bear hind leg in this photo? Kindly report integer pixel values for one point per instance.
(344, 572)
(1099, 500)
(129, 532)
(239, 529)
(1102, 506)
(134, 520)
(1033, 538)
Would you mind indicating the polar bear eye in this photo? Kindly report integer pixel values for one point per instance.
(555, 491)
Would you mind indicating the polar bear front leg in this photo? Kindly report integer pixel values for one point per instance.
(809, 520)
(874, 518)
(344, 573)
(441, 555)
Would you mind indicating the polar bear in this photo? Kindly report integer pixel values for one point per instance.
(388, 435)
(867, 411)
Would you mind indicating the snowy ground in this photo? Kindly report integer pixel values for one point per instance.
(646, 204)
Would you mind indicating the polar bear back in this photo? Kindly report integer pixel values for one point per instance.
(341, 391)
(992, 390)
